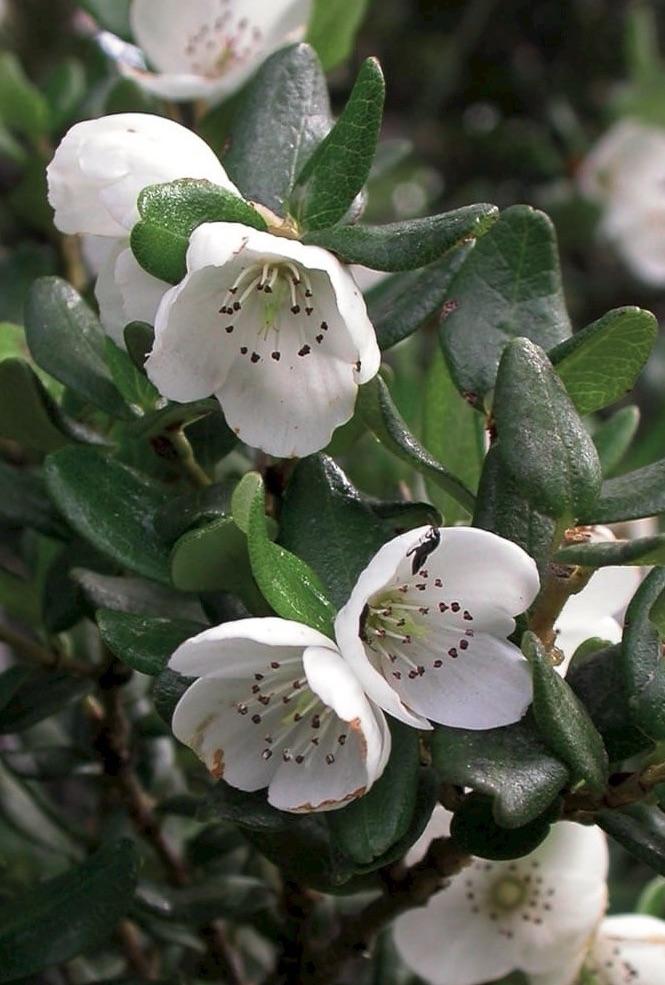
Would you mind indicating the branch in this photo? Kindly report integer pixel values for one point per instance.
(48, 659)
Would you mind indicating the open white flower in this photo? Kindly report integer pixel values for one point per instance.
(629, 950)
(625, 174)
(276, 330)
(425, 629)
(276, 706)
(536, 914)
(94, 181)
(206, 49)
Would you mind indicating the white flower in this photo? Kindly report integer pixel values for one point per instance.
(625, 174)
(207, 49)
(536, 914)
(276, 330)
(425, 629)
(595, 611)
(276, 706)
(94, 180)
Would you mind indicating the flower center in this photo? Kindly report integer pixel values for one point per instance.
(220, 44)
(508, 893)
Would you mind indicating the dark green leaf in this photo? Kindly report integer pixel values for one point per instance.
(642, 659)
(630, 496)
(333, 27)
(281, 117)
(510, 286)
(613, 437)
(18, 270)
(409, 244)
(640, 829)
(51, 763)
(325, 522)
(132, 384)
(28, 415)
(563, 721)
(339, 167)
(600, 364)
(62, 917)
(377, 409)
(643, 551)
(169, 215)
(399, 305)
(135, 595)
(111, 506)
(24, 807)
(22, 106)
(543, 443)
(24, 502)
(502, 508)
(193, 509)
(144, 643)
(475, 831)
(67, 340)
(11, 680)
(65, 89)
(112, 15)
(453, 433)
(371, 825)
(597, 681)
(286, 582)
(41, 695)
(510, 764)
(139, 339)
(168, 689)
(235, 897)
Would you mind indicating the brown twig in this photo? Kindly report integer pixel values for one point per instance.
(36, 653)
(137, 960)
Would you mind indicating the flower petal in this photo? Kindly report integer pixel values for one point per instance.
(607, 593)
(125, 292)
(101, 165)
(630, 948)
(240, 647)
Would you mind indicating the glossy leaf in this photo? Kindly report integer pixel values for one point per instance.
(377, 409)
(67, 340)
(640, 829)
(169, 215)
(144, 643)
(543, 444)
(642, 660)
(510, 764)
(135, 595)
(339, 167)
(41, 695)
(510, 286)
(24, 502)
(111, 506)
(63, 917)
(112, 15)
(133, 385)
(475, 830)
(26, 810)
(28, 415)
(600, 364)
(409, 244)
(281, 117)
(563, 720)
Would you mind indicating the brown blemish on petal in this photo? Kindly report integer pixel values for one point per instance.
(308, 808)
(355, 726)
(217, 768)
(197, 739)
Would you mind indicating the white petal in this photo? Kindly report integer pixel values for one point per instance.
(438, 826)
(101, 165)
(95, 251)
(125, 292)
(190, 42)
(630, 948)
(241, 646)
(618, 156)
(565, 972)
(607, 594)
(571, 634)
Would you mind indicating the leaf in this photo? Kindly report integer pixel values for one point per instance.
(409, 244)
(563, 721)
(474, 830)
(111, 506)
(65, 89)
(144, 643)
(640, 829)
(41, 695)
(600, 364)
(377, 409)
(643, 551)
(399, 305)
(139, 339)
(287, 583)
(62, 917)
(333, 28)
(368, 827)
(511, 764)
(282, 116)
(543, 443)
(136, 595)
(236, 897)
(24, 502)
(453, 433)
(18, 270)
(13, 345)
(642, 659)
(193, 509)
(112, 15)
(170, 213)
(510, 286)
(28, 415)
(215, 557)
(25, 809)
(339, 167)
(133, 385)
(613, 437)
(22, 106)
(597, 681)
(502, 508)
(629, 496)
(67, 340)
(325, 522)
